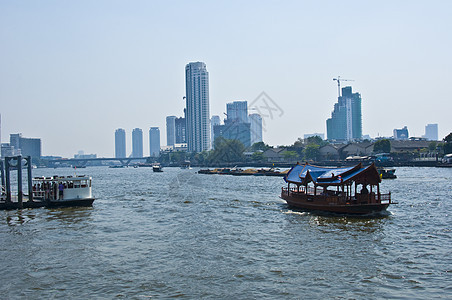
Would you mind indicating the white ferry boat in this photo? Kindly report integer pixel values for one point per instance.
(57, 191)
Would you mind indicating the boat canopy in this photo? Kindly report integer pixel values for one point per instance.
(304, 174)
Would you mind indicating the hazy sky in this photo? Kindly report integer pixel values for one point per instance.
(71, 72)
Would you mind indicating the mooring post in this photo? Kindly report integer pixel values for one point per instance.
(30, 182)
(2, 169)
(19, 182)
(8, 180)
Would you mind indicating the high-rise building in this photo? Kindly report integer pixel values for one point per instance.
(237, 111)
(197, 107)
(180, 130)
(236, 126)
(256, 128)
(25, 146)
(154, 142)
(170, 130)
(214, 121)
(345, 123)
(234, 131)
(120, 143)
(137, 143)
(431, 132)
(401, 134)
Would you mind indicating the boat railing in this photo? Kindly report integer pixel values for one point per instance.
(334, 198)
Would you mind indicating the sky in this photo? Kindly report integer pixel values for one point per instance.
(72, 72)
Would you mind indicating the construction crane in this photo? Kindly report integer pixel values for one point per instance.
(339, 79)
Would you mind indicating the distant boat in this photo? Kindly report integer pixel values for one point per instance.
(387, 173)
(335, 190)
(185, 165)
(157, 168)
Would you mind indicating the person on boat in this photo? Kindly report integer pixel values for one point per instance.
(60, 190)
(364, 190)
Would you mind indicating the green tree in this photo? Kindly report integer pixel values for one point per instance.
(290, 155)
(260, 146)
(257, 156)
(226, 151)
(312, 152)
(316, 140)
(382, 146)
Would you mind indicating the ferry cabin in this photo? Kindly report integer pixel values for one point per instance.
(60, 188)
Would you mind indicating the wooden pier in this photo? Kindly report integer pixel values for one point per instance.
(21, 200)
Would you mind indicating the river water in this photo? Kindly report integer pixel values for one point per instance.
(179, 234)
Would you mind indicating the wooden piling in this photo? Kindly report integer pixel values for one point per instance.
(8, 180)
(30, 178)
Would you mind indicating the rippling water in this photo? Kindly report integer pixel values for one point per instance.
(183, 235)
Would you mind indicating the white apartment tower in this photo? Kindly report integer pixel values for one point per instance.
(137, 143)
(154, 142)
(197, 107)
(170, 130)
(256, 128)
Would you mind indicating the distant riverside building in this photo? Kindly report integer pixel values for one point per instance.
(82, 155)
(170, 130)
(197, 107)
(401, 134)
(431, 132)
(25, 146)
(180, 126)
(214, 121)
(256, 128)
(120, 143)
(237, 111)
(8, 150)
(154, 142)
(137, 143)
(345, 123)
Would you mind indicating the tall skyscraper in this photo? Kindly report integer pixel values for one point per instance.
(180, 125)
(431, 132)
(170, 130)
(256, 128)
(345, 123)
(197, 107)
(154, 142)
(120, 143)
(237, 111)
(137, 143)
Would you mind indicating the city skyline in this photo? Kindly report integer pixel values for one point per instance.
(76, 82)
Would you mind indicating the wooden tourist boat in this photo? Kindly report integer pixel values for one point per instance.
(335, 190)
(59, 191)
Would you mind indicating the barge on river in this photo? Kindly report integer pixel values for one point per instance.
(335, 190)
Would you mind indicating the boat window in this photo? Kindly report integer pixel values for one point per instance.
(83, 183)
(76, 184)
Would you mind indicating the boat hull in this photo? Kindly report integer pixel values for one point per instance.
(349, 209)
(70, 203)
